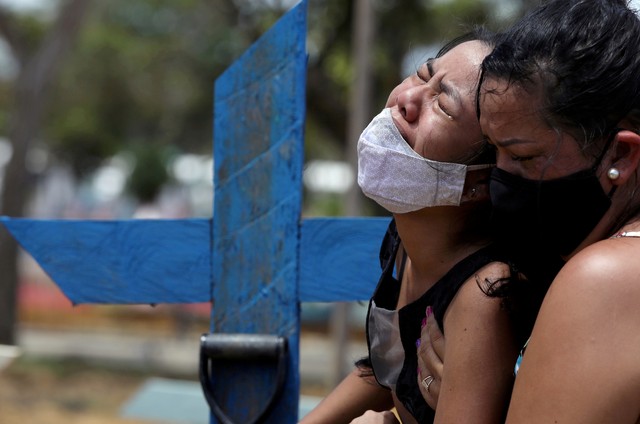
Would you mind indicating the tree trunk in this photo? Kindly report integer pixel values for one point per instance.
(37, 73)
(359, 115)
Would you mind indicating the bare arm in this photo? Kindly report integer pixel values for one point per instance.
(582, 364)
(352, 398)
(481, 352)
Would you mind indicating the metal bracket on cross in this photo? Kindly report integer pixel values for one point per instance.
(256, 260)
(253, 348)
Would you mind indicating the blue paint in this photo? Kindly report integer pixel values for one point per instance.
(121, 262)
(339, 258)
(168, 261)
(258, 154)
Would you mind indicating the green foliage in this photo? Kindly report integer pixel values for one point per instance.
(142, 70)
(32, 31)
(149, 173)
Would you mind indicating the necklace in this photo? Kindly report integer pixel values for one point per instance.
(626, 234)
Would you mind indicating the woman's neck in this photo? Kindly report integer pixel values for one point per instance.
(435, 239)
(612, 223)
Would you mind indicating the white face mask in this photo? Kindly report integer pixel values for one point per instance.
(399, 179)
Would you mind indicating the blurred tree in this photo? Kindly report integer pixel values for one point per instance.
(149, 173)
(142, 73)
(39, 54)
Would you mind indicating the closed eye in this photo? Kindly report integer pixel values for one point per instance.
(521, 158)
(491, 146)
(442, 108)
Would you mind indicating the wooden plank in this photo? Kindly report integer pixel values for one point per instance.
(258, 154)
(339, 258)
(121, 262)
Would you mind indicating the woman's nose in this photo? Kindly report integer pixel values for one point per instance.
(411, 101)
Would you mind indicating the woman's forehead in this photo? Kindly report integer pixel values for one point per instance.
(470, 52)
(501, 95)
(461, 65)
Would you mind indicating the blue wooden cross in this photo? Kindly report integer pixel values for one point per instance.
(257, 259)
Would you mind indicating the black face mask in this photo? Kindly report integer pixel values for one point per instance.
(553, 215)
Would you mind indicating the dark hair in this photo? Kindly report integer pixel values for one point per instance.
(364, 366)
(477, 33)
(531, 272)
(583, 56)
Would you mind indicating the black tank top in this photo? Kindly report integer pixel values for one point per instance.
(410, 317)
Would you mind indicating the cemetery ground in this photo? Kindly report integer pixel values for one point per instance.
(84, 364)
(55, 381)
(67, 391)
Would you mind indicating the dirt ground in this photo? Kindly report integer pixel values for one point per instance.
(69, 391)
(52, 392)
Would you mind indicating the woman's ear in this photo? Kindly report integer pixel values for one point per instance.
(626, 156)
(476, 186)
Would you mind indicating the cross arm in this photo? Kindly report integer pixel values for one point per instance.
(168, 261)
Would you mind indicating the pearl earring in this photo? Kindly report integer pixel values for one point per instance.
(613, 174)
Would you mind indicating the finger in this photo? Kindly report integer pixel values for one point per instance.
(388, 417)
(435, 336)
(372, 417)
(428, 384)
(427, 352)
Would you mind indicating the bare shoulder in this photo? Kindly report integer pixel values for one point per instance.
(601, 281)
(480, 353)
(472, 296)
(588, 321)
(493, 270)
(603, 277)
(609, 268)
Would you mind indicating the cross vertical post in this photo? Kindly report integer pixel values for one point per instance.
(258, 154)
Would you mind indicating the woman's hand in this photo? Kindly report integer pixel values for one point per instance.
(430, 359)
(373, 417)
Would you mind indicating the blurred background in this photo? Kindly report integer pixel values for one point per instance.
(106, 113)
